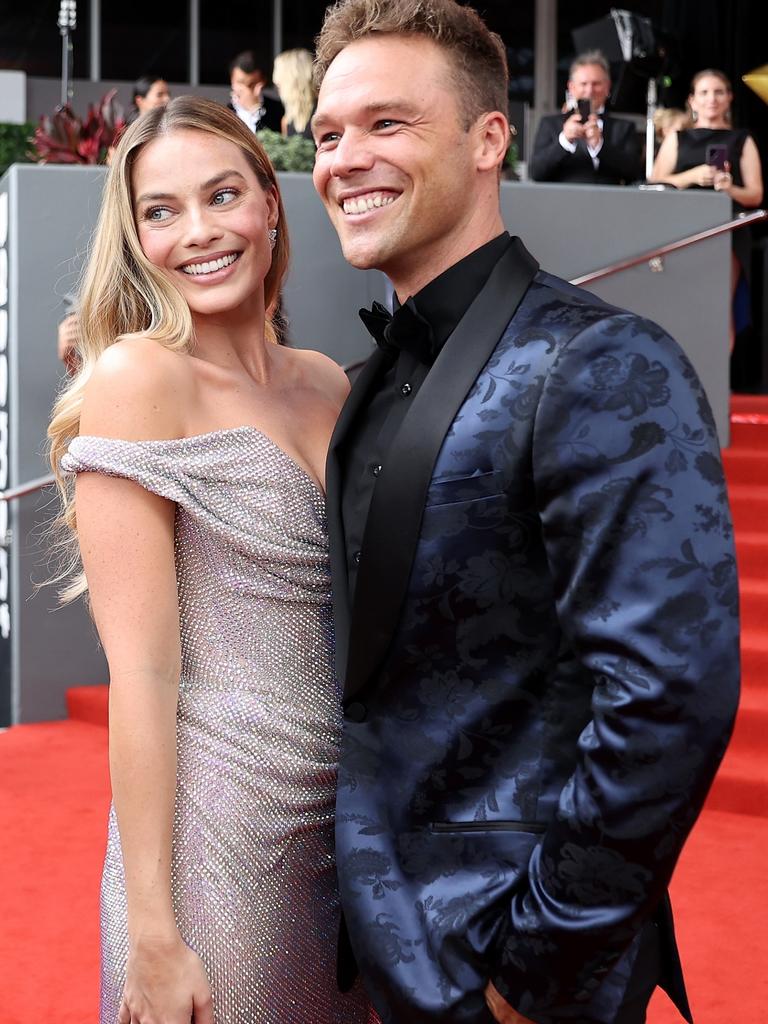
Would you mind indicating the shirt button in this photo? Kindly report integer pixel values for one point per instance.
(356, 558)
(376, 470)
(406, 389)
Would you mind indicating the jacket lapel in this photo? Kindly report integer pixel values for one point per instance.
(363, 386)
(387, 553)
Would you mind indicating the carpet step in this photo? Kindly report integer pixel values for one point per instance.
(748, 434)
(749, 504)
(88, 704)
(741, 785)
(745, 465)
(754, 658)
(754, 603)
(752, 554)
(751, 729)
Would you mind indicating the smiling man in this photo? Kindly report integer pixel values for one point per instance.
(534, 578)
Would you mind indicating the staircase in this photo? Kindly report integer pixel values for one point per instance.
(742, 783)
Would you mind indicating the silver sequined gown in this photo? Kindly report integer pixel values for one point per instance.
(258, 729)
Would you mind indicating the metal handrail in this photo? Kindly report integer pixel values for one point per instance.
(596, 275)
(732, 225)
(28, 488)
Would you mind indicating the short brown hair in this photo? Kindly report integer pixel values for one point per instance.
(587, 59)
(478, 55)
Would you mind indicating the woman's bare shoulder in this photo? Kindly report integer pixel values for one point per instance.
(326, 373)
(138, 390)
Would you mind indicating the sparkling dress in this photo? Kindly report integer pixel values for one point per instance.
(258, 729)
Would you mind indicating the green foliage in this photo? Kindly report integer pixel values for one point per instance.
(15, 145)
(511, 157)
(293, 154)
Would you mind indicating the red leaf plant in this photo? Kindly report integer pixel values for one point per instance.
(64, 139)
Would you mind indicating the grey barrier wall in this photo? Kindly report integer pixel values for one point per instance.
(43, 95)
(50, 215)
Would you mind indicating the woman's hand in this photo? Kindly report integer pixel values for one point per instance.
(500, 1008)
(723, 180)
(703, 175)
(165, 983)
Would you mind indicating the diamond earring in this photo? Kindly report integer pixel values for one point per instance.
(272, 236)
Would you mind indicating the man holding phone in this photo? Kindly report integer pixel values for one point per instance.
(586, 146)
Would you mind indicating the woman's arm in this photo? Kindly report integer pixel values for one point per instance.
(127, 542)
(664, 165)
(751, 192)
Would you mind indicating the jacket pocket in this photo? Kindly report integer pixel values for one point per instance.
(535, 827)
(451, 490)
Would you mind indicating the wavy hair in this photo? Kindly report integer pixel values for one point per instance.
(292, 74)
(123, 295)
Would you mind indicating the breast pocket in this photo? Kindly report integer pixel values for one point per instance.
(480, 827)
(451, 490)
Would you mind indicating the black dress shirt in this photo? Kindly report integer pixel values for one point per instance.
(433, 313)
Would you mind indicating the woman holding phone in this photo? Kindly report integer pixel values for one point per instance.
(713, 154)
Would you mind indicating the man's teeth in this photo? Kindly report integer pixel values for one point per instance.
(361, 204)
(211, 266)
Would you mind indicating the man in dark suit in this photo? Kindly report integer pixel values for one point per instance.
(252, 99)
(534, 576)
(596, 150)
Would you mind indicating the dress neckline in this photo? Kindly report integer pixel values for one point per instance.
(246, 428)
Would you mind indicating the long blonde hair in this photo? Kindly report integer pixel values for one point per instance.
(124, 295)
(292, 74)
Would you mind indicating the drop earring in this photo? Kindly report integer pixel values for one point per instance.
(272, 236)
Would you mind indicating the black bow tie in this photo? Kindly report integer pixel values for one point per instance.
(405, 331)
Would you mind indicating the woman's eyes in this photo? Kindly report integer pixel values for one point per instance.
(223, 197)
(157, 214)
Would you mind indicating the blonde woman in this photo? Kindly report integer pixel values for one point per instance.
(292, 74)
(198, 447)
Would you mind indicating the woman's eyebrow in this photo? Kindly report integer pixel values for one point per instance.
(148, 197)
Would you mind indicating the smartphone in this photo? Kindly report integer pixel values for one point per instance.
(717, 156)
(585, 109)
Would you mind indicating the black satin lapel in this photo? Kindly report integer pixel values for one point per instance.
(362, 387)
(387, 553)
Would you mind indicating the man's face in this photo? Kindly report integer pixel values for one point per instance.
(394, 165)
(246, 87)
(590, 82)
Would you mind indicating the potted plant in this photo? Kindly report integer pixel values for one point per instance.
(64, 138)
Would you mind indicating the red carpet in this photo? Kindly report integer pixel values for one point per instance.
(55, 794)
(53, 806)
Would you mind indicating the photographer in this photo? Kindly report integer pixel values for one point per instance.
(586, 145)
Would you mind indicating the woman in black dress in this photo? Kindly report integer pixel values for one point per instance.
(713, 154)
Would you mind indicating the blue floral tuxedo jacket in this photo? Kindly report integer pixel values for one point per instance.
(540, 665)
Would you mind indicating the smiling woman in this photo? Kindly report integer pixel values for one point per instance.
(198, 447)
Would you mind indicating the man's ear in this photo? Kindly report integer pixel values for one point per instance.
(492, 140)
